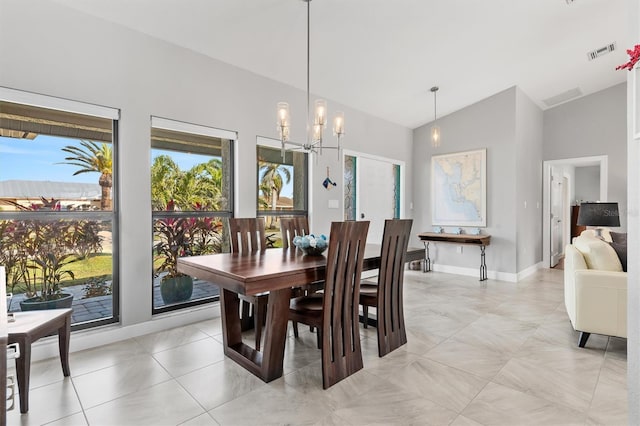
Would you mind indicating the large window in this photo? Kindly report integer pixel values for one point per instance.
(191, 195)
(282, 186)
(58, 206)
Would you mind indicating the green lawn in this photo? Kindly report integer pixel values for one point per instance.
(99, 265)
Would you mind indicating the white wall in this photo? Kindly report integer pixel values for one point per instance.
(528, 205)
(587, 183)
(490, 124)
(57, 51)
(633, 159)
(591, 126)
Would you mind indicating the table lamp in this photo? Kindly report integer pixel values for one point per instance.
(599, 214)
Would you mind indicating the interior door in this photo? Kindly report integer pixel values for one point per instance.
(556, 219)
(376, 194)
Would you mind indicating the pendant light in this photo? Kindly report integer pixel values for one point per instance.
(435, 129)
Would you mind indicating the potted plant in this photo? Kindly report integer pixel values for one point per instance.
(174, 240)
(182, 236)
(44, 263)
(49, 295)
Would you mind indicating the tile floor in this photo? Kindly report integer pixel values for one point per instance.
(492, 353)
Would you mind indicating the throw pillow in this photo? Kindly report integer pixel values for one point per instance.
(619, 237)
(621, 251)
(598, 254)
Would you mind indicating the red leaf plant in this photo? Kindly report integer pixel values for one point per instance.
(634, 57)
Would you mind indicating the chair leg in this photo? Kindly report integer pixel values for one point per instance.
(365, 314)
(295, 328)
(319, 337)
(583, 339)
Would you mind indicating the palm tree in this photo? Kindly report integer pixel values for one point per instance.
(94, 157)
(164, 177)
(273, 177)
(200, 185)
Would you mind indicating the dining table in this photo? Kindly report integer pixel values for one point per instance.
(273, 271)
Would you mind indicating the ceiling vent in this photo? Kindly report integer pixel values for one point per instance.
(563, 97)
(601, 51)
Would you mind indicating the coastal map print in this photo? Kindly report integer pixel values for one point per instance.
(458, 189)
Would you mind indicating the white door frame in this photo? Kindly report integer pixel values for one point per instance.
(600, 160)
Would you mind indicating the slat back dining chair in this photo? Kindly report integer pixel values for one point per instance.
(291, 227)
(386, 295)
(335, 312)
(247, 235)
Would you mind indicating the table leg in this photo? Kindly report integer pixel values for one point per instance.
(427, 260)
(483, 264)
(64, 334)
(275, 333)
(231, 325)
(267, 365)
(23, 367)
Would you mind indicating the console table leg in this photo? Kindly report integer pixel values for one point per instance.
(427, 261)
(483, 265)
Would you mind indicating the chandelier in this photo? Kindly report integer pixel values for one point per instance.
(314, 131)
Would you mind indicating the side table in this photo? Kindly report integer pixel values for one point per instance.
(29, 327)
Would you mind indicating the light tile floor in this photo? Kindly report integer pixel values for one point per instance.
(492, 353)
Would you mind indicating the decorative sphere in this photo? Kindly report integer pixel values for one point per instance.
(311, 245)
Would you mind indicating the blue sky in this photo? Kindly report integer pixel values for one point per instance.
(36, 160)
(39, 159)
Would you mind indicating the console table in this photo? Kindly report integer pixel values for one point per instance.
(481, 241)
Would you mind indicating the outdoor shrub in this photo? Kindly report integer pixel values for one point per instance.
(38, 253)
(97, 286)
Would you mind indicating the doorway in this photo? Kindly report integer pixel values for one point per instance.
(560, 178)
(379, 190)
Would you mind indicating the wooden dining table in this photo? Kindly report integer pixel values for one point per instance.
(275, 271)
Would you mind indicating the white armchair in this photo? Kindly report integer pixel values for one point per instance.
(595, 289)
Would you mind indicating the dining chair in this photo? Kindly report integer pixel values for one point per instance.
(386, 294)
(335, 312)
(291, 227)
(247, 235)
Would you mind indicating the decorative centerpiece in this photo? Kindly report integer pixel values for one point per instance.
(311, 245)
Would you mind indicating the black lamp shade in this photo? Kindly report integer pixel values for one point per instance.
(599, 214)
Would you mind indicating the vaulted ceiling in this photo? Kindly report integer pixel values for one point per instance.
(383, 56)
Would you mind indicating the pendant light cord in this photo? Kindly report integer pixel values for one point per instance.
(435, 106)
(435, 89)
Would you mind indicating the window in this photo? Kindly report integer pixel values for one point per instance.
(58, 205)
(191, 195)
(282, 186)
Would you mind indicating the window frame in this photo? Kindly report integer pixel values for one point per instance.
(40, 101)
(265, 142)
(207, 131)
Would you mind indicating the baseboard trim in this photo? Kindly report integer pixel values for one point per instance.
(493, 275)
(475, 272)
(529, 271)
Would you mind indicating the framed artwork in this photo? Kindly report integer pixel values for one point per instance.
(459, 189)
